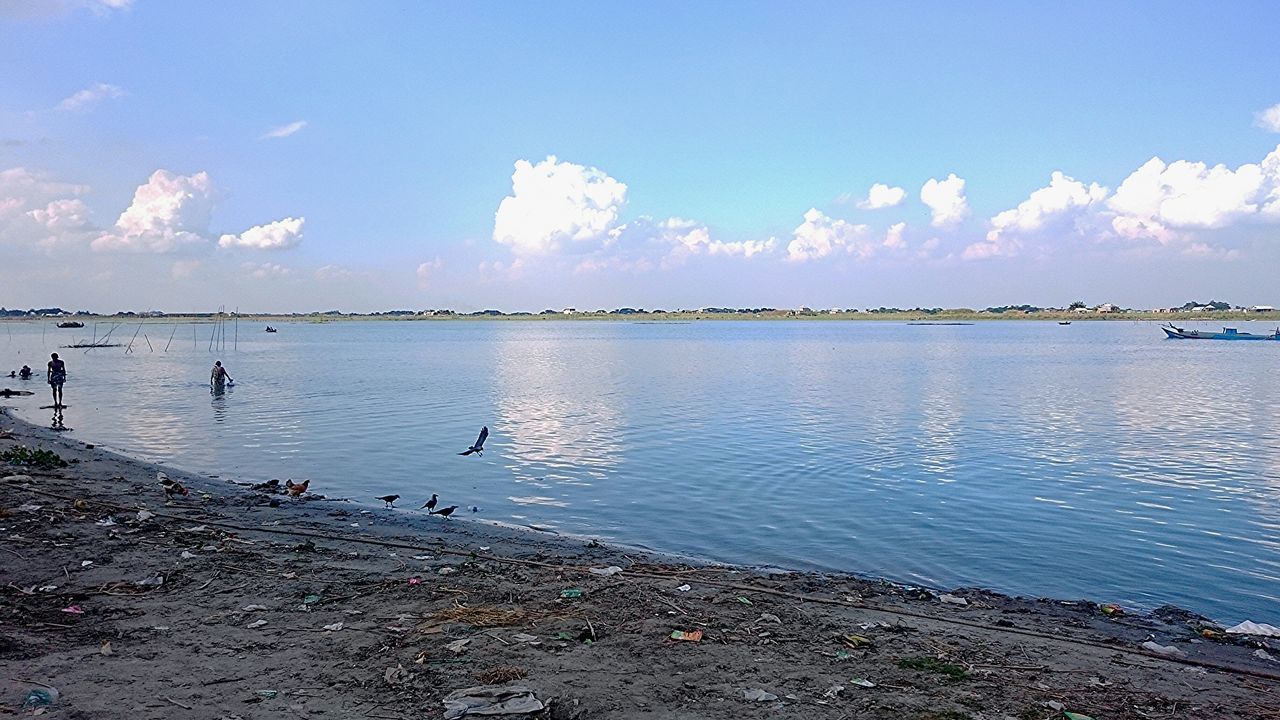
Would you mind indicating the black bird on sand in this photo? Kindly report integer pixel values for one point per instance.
(430, 504)
(446, 512)
(478, 448)
(390, 500)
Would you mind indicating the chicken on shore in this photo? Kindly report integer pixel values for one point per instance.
(172, 488)
(296, 489)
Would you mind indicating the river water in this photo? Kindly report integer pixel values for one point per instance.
(1093, 460)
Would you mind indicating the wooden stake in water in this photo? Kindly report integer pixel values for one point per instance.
(175, 332)
(237, 338)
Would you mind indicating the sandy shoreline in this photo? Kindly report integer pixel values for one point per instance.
(427, 606)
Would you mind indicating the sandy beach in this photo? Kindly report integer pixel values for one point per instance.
(236, 603)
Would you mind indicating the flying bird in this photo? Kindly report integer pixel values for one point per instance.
(446, 512)
(430, 504)
(390, 500)
(478, 448)
(296, 489)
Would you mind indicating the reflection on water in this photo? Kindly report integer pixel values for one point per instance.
(1092, 460)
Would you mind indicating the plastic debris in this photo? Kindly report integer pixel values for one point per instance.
(1075, 716)
(843, 655)
(395, 675)
(856, 641)
(40, 697)
(267, 694)
(253, 608)
(485, 700)
(833, 691)
(1156, 647)
(744, 601)
(86, 563)
(25, 507)
(256, 624)
(1252, 628)
(771, 618)
(952, 599)
(187, 555)
(611, 570)
(415, 581)
(525, 638)
(457, 646)
(105, 649)
(73, 610)
(684, 588)
(446, 571)
(1111, 610)
(1264, 655)
(154, 581)
(1055, 705)
(310, 599)
(571, 593)
(758, 695)
(145, 515)
(690, 635)
(334, 627)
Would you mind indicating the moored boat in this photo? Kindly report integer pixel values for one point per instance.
(1177, 333)
(71, 324)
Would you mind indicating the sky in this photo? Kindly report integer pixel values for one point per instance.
(297, 156)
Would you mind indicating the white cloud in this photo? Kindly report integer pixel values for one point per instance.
(334, 272)
(284, 131)
(1064, 199)
(36, 209)
(29, 187)
(1157, 200)
(183, 269)
(28, 9)
(893, 237)
(1268, 119)
(946, 200)
(168, 212)
(554, 204)
(279, 235)
(819, 236)
(688, 238)
(882, 196)
(265, 270)
(90, 96)
(425, 271)
(62, 221)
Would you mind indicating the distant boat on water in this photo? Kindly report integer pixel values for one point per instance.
(71, 324)
(1177, 333)
(1064, 322)
(271, 329)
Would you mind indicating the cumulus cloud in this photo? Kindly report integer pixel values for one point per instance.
(556, 204)
(182, 269)
(90, 96)
(819, 236)
(946, 200)
(1063, 200)
(688, 238)
(882, 196)
(37, 209)
(334, 272)
(1268, 119)
(284, 131)
(265, 270)
(279, 235)
(425, 271)
(893, 237)
(168, 212)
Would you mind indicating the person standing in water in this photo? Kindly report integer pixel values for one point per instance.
(219, 377)
(57, 376)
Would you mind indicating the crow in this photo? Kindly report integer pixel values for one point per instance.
(390, 500)
(430, 504)
(478, 448)
(446, 512)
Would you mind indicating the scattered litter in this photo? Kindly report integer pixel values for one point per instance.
(160, 628)
(415, 581)
(1264, 655)
(833, 691)
(684, 588)
(187, 555)
(1099, 682)
(862, 683)
(571, 593)
(691, 635)
(334, 627)
(421, 557)
(267, 694)
(1111, 610)
(484, 548)
(106, 522)
(154, 581)
(457, 646)
(611, 570)
(145, 515)
(195, 529)
(253, 608)
(856, 641)
(758, 695)
(106, 648)
(502, 674)
(353, 612)
(1252, 628)
(310, 599)
(770, 617)
(743, 600)
(525, 638)
(1156, 647)
(73, 610)
(843, 655)
(950, 599)
(503, 700)
(395, 675)
(1075, 716)
(80, 505)
(446, 571)
(256, 624)
(27, 507)
(86, 563)
(40, 697)
(1055, 705)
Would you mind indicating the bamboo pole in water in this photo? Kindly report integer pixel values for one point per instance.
(237, 338)
(175, 332)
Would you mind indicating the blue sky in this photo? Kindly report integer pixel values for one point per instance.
(673, 154)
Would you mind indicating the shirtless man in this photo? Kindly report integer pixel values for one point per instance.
(219, 377)
(57, 376)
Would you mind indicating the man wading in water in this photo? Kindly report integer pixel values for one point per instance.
(218, 378)
(57, 376)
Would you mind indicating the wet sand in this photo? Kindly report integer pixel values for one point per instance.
(219, 605)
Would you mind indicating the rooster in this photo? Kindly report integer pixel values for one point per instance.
(296, 489)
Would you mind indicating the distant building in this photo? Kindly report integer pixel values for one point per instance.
(1107, 308)
(1263, 308)
(570, 311)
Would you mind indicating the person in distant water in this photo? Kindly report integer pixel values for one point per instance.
(25, 373)
(57, 376)
(13, 374)
(219, 377)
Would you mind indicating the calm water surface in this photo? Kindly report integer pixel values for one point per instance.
(1093, 460)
